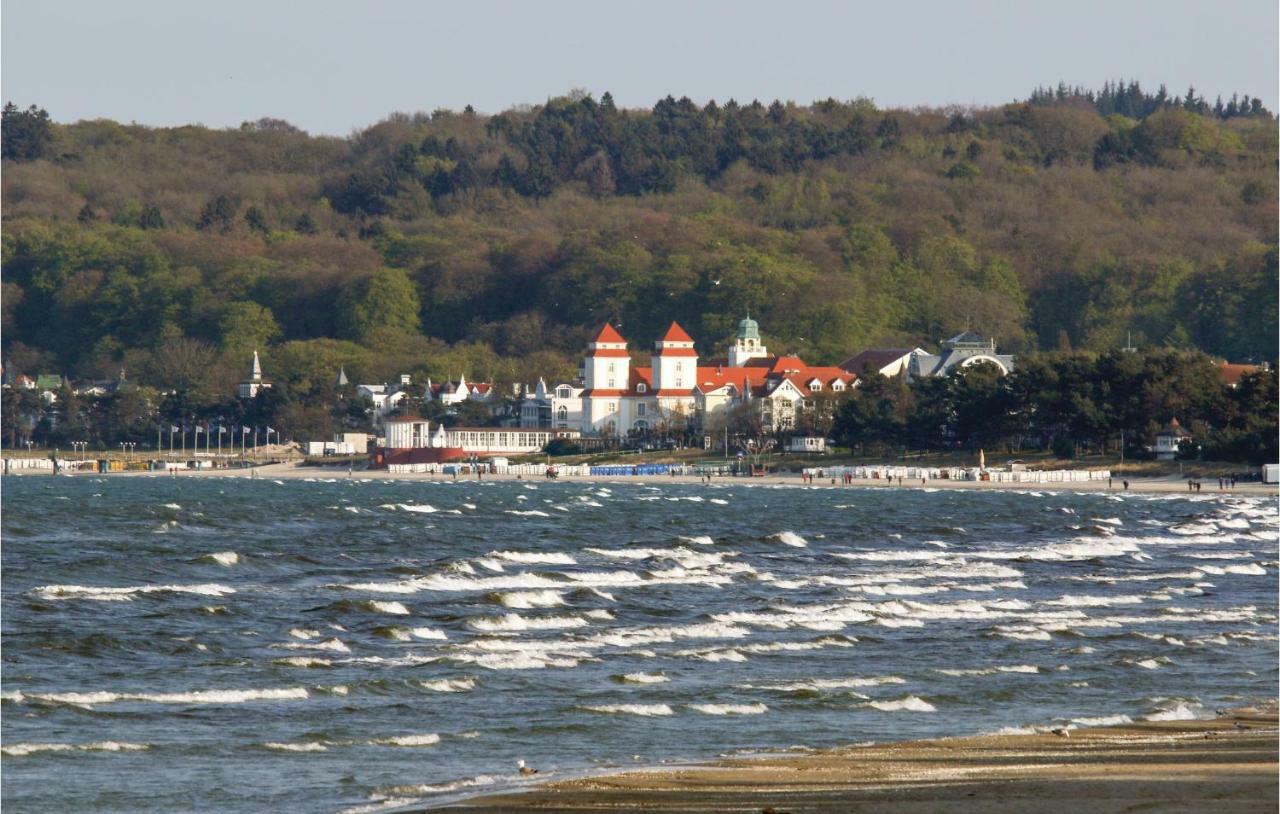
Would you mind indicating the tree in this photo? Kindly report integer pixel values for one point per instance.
(151, 218)
(219, 212)
(25, 135)
(246, 327)
(385, 298)
(305, 224)
(256, 220)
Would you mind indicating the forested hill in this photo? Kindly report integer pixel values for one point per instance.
(457, 242)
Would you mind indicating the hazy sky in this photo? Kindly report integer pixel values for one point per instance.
(330, 67)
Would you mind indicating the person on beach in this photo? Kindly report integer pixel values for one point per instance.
(1125, 484)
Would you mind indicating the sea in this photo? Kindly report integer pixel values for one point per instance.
(336, 645)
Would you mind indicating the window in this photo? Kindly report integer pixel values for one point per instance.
(563, 413)
(815, 386)
(837, 385)
(640, 409)
(679, 367)
(564, 392)
(611, 367)
(642, 388)
(613, 406)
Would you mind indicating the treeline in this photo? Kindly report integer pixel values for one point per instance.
(1071, 403)
(1130, 100)
(457, 243)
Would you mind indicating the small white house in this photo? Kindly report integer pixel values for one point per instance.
(806, 444)
(1169, 440)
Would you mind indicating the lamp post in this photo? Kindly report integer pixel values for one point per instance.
(130, 445)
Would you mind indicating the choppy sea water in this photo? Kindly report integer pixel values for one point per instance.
(235, 645)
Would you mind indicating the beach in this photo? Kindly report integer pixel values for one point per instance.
(1163, 485)
(1228, 764)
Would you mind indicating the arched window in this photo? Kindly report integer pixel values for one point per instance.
(642, 388)
(563, 414)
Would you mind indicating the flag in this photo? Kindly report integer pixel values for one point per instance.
(245, 430)
(173, 428)
(270, 430)
(197, 429)
(221, 429)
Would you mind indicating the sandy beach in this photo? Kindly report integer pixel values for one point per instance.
(1223, 765)
(281, 471)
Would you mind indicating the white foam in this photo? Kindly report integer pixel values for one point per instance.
(24, 749)
(789, 538)
(516, 622)
(428, 633)
(430, 739)
(830, 684)
(173, 506)
(523, 600)
(1104, 720)
(333, 645)
(195, 697)
(227, 558)
(297, 747)
(644, 678)
(701, 539)
(394, 608)
(1094, 601)
(985, 671)
(449, 685)
(534, 557)
(730, 709)
(417, 508)
(910, 703)
(303, 633)
(304, 661)
(126, 594)
(1179, 712)
(530, 513)
(647, 710)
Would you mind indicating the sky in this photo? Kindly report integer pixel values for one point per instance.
(334, 67)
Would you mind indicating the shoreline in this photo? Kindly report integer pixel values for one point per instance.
(293, 471)
(1227, 764)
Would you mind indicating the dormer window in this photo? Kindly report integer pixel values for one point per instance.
(564, 392)
(815, 385)
(642, 388)
(837, 385)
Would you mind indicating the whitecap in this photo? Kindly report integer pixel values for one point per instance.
(643, 678)
(530, 513)
(909, 703)
(227, 558)
(533, 557)
(789, 538)
(418, 508)
(297, 747)
(1104, 720)
(730, 709)
(395, 608)
(1179, 712)
(430, 739)
(449, 685)
(647, 710)
(428, 633)
(126, 594)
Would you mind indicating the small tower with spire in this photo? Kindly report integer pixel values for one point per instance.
(250, 387)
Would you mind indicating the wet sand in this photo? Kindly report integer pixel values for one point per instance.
(283, 471)
(1223, 765)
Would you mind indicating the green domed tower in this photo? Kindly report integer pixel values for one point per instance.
(748, 344)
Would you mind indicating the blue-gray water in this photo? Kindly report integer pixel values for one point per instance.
(234, 645)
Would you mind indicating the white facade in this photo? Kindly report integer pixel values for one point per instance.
(250, 387)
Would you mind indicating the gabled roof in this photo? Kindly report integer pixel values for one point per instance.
(676, 334)
(1232, 374)
(875, 358)
(609, 334)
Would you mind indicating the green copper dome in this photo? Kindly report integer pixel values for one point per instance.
(748, 329)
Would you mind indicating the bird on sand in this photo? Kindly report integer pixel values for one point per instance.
(1062, 732)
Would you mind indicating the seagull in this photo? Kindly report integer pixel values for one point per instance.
(525, 770)
(716, 282)
(1061, 732)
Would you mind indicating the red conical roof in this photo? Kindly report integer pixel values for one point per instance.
(676, 334)
(608, 334)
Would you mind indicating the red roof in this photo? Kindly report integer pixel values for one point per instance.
(609, 334)
(676, 334)
(610, 352)
(677, 352)
(1231, 374)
